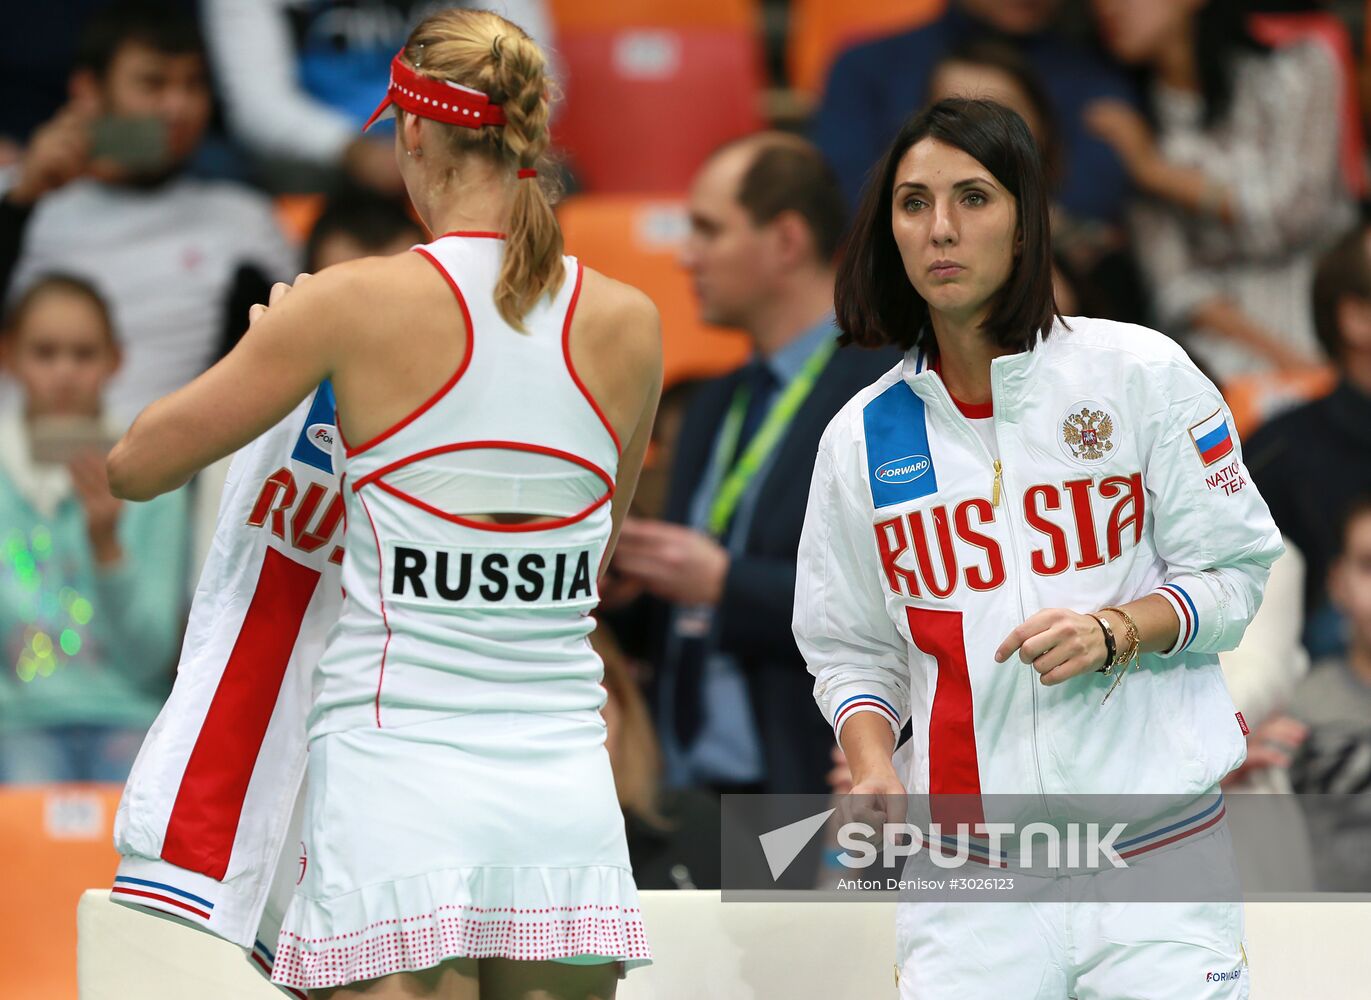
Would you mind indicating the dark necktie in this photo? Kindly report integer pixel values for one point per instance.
(693, 650)
(761, 387)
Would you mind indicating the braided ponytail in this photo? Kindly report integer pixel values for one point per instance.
(532, 263)
(480, 49)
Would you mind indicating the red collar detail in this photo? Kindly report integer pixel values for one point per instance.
(972, 411)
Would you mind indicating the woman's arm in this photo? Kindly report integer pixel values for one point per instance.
(288, 350)
(850, 644)
(1210, 526)
(1188, 294)
(1275, 184)
(257, 69)
(638, 335)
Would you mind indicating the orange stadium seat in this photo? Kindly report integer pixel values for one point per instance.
(297, 213)
(821, 29)
(579, 14)
(636, 240)
(645, 105)
(57, 842)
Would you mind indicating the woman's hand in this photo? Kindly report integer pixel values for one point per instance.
(875, 799)
(101, 507)
(278, 292)
(1058, 643)
(1119, 125)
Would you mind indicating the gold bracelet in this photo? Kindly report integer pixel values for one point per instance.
(1131, 636)
(1134, 640)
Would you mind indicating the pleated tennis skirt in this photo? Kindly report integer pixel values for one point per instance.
(490, 834)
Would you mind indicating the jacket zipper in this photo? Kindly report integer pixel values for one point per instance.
(996, 489)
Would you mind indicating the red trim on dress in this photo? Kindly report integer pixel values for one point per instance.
(466, 522)
(566, 353)
(443, 390)
(475, 235)
(374, 477)
(537, 449)
(381, 592)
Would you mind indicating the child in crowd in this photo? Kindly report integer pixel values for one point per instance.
(91, 588)
(1333, 766)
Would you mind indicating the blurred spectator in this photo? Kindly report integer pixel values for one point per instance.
(1094, 273)
(1266, 667)
(1272, 849)
(875, 86)
(673, 836)
(35, 58)
(1313, 461)
(1242, 181)
(299, 77)
(649, 499)
(1334, 764)
(91, 588)
(101, 192)
(360, 223)
(730, 693)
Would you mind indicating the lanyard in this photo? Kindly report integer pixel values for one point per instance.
(778, 417)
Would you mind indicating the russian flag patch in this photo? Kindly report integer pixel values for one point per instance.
(1212, 437)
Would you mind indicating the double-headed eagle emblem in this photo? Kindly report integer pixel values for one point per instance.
(1087, 434)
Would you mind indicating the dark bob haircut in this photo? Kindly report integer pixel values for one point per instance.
(875, 303)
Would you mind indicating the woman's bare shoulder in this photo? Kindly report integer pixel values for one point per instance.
(369, 292)
(616, 316)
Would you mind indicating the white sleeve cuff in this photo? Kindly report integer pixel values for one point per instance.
(1183, 604)
(854, 699)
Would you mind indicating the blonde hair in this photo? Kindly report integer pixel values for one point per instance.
(481, 50)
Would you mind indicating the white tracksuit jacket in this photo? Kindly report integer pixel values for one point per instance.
(1121, 476)
(206, 826)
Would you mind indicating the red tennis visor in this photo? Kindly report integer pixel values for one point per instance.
(436, 99)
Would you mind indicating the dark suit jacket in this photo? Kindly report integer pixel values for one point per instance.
(759, 593)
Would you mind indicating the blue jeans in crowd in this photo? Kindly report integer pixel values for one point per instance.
(68, 753)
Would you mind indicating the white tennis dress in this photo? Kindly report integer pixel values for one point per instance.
(460, 801)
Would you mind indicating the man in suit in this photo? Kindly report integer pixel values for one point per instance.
(731, 696)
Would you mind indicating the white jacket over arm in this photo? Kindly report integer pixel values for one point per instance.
(1216, 563)
(859, 661)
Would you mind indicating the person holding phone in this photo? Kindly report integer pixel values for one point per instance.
(104, 191)
(91, 589)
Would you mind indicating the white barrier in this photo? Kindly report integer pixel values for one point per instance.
(734, 951)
